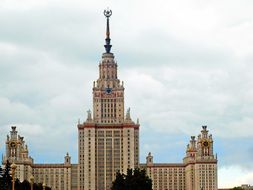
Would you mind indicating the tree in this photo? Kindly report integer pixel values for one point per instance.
(134, 180)
(241, 188)
(1, 178)
(17, 185)
(6, 176)
(1, 172)
(119, 181)
(25, 185)
(6, 180)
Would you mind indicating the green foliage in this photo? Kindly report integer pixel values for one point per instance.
(6, 176)
(1, 172)
(237, 188)
(6, 181)
(25, 185)
(1, 178)
(134, 180)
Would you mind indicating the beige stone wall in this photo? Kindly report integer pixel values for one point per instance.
(167, 177)
(190, 177)
(205, 174)
(23, 171)
(56, 176)
(182, 177)
(111, 152)
(74, 177)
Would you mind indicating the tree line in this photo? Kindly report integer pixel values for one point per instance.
(136, 179)
(6, 181)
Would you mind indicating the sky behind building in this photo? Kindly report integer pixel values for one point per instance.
(185, 64)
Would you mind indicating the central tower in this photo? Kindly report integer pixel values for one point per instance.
(108, 93)
(108, 140)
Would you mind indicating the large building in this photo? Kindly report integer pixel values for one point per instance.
(108, 142)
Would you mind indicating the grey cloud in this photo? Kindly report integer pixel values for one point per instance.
(185, 65)
(168, 51)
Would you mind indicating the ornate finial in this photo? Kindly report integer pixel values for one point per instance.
(107, 45)
(13, 128)
(108, 12)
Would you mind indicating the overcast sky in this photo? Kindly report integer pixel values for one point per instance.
(184, 63)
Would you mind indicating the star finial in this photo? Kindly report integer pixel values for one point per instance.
(107, 45)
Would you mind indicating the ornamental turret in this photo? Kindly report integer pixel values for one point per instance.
(200, 163)
(16, 148)
(149, 159)
(200, 148)
(67, 159)
(205, 145)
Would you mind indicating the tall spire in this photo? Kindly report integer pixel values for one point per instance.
(107, 45)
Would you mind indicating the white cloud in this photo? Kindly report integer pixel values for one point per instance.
(230, 177)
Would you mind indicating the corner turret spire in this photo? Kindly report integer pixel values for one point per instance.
(107, 45)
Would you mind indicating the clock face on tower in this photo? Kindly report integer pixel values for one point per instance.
(205, 144)
(13, 145)
(108, 90)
